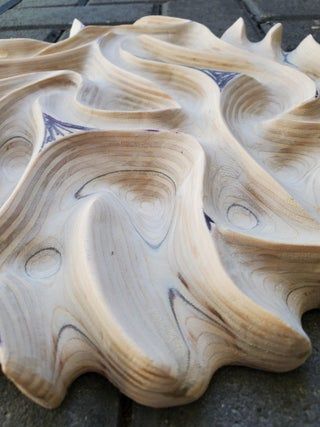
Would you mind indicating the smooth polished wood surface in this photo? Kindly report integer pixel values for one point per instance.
(159, 207)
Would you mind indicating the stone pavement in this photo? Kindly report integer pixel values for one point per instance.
(50, 19)
(237, 397)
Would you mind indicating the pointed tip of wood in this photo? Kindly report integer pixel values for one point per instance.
(309, 42)
(76, 27)
(236, 32)
(272, 41)
(275, 33)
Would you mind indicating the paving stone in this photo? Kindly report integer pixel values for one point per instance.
(8, 4)
(63, 16)
(91, 402)
(95, 2)
(265, 10)
(45, 3)
(39, 34)
(54, 36)
(64, 35)
(217, 15)
(295, 31)
(245, 397)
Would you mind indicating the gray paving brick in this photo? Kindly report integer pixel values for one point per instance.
(265, 10)
(7, 4)
(39, 34)
(62, 17)
(295, 31)
(91, 402)
(217, 15)
(45, 3)
(99, 2)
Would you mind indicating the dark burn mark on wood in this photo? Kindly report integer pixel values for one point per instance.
(238, 205)
(299, 288)
(172, 293)
(212, 310)
(209, 221)
(55, 128)
(78, 194)
(80, 332)
(152, 130)
(107, 365)
(219, 321)
(185, 284)
(16, 137)
(49, 248)
(218, 315)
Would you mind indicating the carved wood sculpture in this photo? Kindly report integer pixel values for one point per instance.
(159, 207)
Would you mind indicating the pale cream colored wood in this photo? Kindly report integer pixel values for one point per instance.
(160, 207)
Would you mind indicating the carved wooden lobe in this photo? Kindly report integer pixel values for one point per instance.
(160, 207)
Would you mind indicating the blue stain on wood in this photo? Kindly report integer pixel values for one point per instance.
(55, 128)
(209, 221)
(220, 77)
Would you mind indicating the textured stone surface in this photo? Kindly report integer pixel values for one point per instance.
(64, 15)
(104, 2)
(39, 34)
(44, 3)
(92, 401)
(263, 9)
(7, 4)
(217, 15)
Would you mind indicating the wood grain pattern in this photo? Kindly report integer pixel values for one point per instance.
(159, 207)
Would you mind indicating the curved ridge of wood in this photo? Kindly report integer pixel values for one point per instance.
(159, 212)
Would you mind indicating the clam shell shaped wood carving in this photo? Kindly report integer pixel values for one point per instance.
(160, 207)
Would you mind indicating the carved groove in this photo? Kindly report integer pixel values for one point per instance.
(174, 178)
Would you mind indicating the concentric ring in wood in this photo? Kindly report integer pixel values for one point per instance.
(160, 207)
